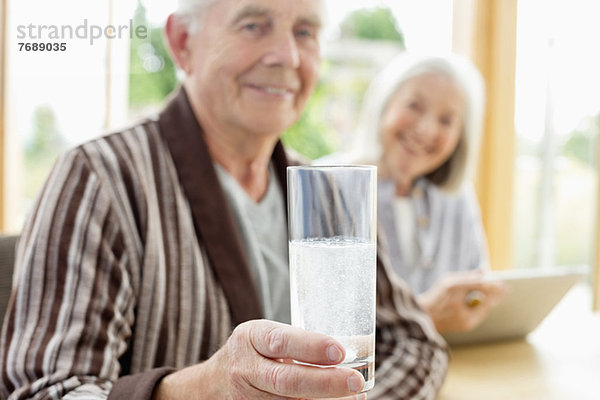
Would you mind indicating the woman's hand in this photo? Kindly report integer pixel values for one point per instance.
(255, 363)
(461, 300)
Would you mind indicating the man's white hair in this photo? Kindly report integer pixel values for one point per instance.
(192, 11)
(192, 7)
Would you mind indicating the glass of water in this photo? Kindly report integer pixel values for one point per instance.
(332, 217)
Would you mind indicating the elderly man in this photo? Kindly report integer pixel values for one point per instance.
(153, 253)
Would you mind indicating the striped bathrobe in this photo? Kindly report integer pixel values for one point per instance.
(131, 266)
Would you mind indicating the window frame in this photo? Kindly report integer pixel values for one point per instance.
(3, 102)
(596, 265)
(485, 31)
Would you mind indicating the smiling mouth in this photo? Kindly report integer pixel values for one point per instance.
(273, 90)
(414, 148)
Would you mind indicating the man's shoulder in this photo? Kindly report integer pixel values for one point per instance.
(127, 149)
(133, 136)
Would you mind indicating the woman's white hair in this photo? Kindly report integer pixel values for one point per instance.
(367, 144)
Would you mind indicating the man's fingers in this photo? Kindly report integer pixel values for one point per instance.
(274, 340)
(264, 364)
(296, 380)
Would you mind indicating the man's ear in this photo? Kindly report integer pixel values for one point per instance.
(177, 35)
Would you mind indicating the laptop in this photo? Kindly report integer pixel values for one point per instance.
(532, 294)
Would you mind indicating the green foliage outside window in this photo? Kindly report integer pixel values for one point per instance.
(41, 150)
(152, 73)
(582, 142)
(311, 136)
(372, 24)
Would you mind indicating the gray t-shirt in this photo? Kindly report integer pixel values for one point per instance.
(263, 226)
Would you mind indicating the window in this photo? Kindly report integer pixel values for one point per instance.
(557, 117)
(73, 89)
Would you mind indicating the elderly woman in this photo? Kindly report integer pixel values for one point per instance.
(421, 123)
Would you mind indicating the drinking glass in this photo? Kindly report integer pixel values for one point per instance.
(332, 220)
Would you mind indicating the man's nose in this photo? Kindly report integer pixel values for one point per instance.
(284, 52)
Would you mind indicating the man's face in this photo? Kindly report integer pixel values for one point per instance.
(253, 64)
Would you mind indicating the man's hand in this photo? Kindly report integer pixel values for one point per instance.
(256, 363)
(460, 301)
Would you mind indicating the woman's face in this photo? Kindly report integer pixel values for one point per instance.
(421, 126)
